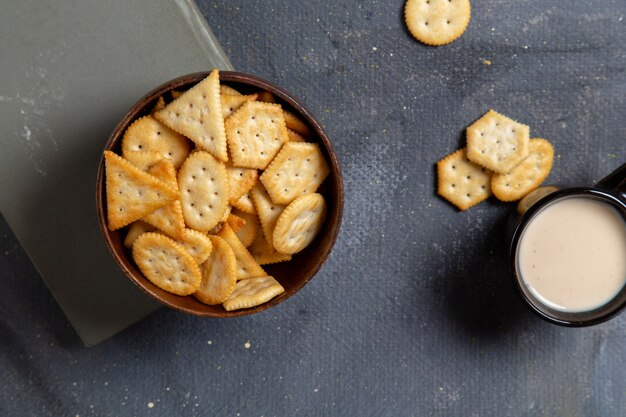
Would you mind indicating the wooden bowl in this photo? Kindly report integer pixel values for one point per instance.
(293, 275)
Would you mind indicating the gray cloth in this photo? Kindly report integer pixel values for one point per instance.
(414, 313)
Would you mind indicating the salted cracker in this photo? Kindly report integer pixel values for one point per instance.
(203, 190)
(228, 90)
(131, 192)
(253, 292)
(135, 229)
(267, 211)
(299, 168)
(296, 124)
(169, 218)
(462, 182)
(295, 136)
(247, 267)
(230, 103)
(255, 132)
(148, 134)
(497, 142)
(299, 223)
(166, 264)
(143, 159)
(197, 114)
(264, 253)
(219, 274)
(245, 203)
(526, 176)
(437, 22)
(197, 244)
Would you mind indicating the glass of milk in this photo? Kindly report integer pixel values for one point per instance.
(568, 253)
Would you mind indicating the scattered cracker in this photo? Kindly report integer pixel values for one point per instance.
(264, 253)
(168, 218)
(228, 90)
(203, 190)
(267, 211)
(240, 181)
(247, 267)
(250, 229)
(526, 176)
(230, 103)
(135, 230)
(166, 264)
(462, 182)
(148, 134)
(197, 114)
(255, 134)
(298, 169)
(497, 142)
(532, 197)
(437, 22)
(299, 223)
(197, 244)
(253, 292)
(219, 274)
(131, 192)
(294, 123)
(245, 204)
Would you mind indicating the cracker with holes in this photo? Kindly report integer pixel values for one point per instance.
(131, 192)
(230, 103)
(462, 182)
(247, 267)
(240, 181)
(168, 218)
(197, 244)
(299, 168)
(497, 142)
(203, 190)
(264, 253)
(296, 124)
(255, 132)
(219, 274)
(197, 114)
(299, 223)
(253, 292)
(166, 264)
(135, 230)
(148, 134)
(437, 22)
(267, 211)
(251, 227)
(526, 176)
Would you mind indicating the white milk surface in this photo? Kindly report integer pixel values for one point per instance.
(572, 254)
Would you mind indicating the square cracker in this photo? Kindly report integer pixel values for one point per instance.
(253, 292)
(497, 142)
(255, 134)
(526, 176)
(462, 182)
(203, 190)
(299, 168)
(131, 192)
(197, 114)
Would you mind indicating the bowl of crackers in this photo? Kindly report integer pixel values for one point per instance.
(219, 194)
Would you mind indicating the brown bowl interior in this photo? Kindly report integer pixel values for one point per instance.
(294, 274)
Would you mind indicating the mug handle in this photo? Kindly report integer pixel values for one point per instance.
(615, 182)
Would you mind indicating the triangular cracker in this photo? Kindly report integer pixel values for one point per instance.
(247, 267)
(240, 181)
(131, 192)
(197, 114)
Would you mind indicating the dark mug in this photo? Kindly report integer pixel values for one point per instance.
(607, 196)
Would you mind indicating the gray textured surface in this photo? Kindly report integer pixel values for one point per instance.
(69, 72)
(413, 315)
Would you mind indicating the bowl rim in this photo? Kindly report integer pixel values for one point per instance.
(226, 77)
